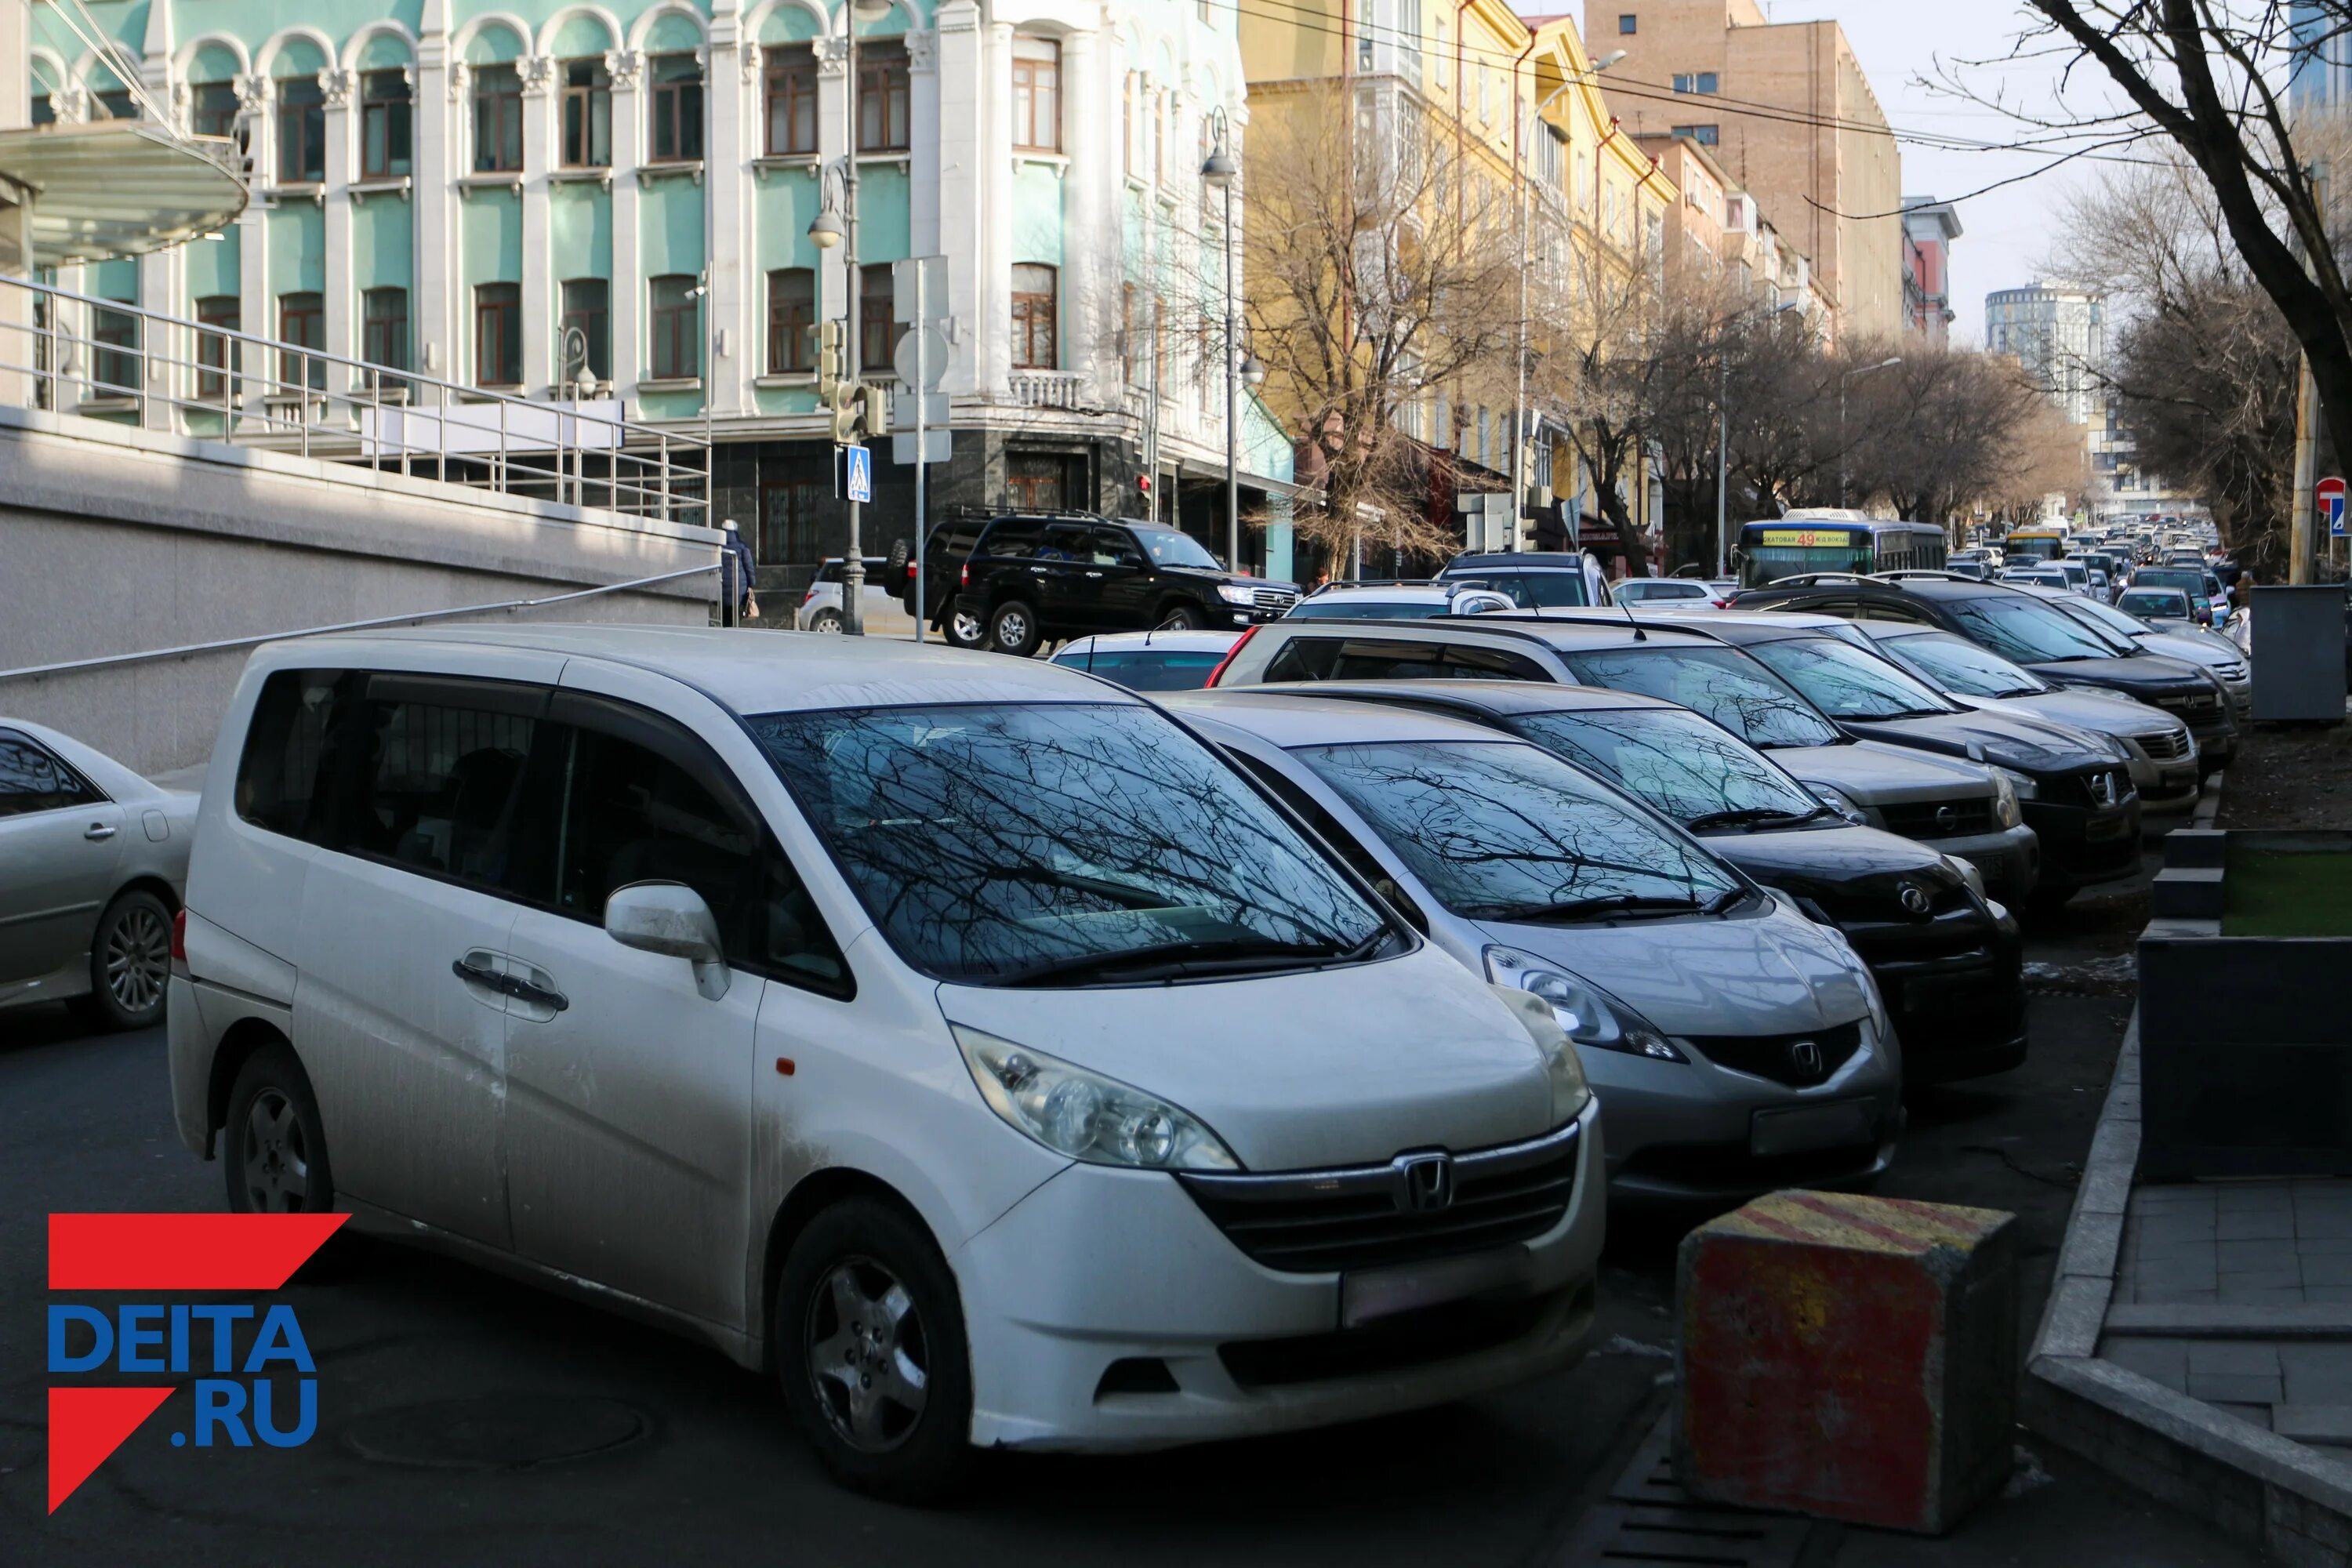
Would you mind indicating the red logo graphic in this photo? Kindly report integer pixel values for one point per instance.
(155, 1252)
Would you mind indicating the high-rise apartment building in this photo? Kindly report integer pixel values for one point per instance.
(2059, 333)
(1789, 112)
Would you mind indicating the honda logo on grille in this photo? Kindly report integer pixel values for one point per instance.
(1805, 1056)
(1424, 1183)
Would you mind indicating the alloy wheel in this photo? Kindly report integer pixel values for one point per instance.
(1013, 630)
(967, 629)
(275, 1155)
(866, 1355)
(137, 958)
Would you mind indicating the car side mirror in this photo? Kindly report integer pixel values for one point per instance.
(670, 919)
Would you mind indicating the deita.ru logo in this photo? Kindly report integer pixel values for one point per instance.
(230, 1350)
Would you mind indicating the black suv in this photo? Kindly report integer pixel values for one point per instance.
(1535, 579)
(2026, 629)
(1031, 580)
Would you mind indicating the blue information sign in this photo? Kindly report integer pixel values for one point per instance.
(861, 473)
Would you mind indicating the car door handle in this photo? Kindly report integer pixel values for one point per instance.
(545, 996)
(96, 831)
(474, 972)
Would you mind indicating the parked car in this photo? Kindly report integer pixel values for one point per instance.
(1535, 579)
(2074, 787)
(2052, 634)
(2155, 603)
(1032, 581)
(93, 859)
(2214, 652)
(1946, 960)
(1150, 662)
(1398, 601)
(821, 604)
(2163, 754)
(1738, 1045)
(1959, 807)
(496, 932)
(1668, 593)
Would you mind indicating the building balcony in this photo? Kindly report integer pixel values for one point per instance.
(1049, 389)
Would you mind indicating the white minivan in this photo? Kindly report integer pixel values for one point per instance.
(958, 1037)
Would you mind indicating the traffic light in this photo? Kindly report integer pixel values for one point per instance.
(846, 409)
(874, 404)
(829, 336)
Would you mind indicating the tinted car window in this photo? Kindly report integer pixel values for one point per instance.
(278, 774)
(2028, 630)
(1149, 669)
(1686, 767)
(1168, 548)
(1845, 682)
(32, 780)
(1368, 610)
(1501, 830)
(1532, 590)
(1724, 686)
(1383, 658)
(1009, 539)
(1956, 664)
(437, 789)
(2169, 603)
(1028, 842)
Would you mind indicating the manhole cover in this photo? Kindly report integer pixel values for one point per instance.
(1649, 1522)
(497, 1432)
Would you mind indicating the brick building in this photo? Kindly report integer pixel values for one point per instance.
(1823, 162)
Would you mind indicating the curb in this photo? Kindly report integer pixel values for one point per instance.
(2264, 1488)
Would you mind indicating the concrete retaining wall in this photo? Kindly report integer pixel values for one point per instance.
(116, 540)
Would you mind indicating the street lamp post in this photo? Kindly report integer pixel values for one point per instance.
(1219, 172)
(827, 231)
(1849, 375)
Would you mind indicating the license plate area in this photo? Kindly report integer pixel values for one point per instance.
(1369, 1295)
(1800, 1129)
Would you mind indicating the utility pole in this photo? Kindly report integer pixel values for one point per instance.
(1723, 461)
(853, 557)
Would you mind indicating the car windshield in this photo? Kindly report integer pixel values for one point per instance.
(1505, 831)
(1955, 664)
(1847, 683)
(1695, 771)
(1717, 683)
(1557, 590)
(2029, 630)
(1003, 844)
(1147, 669)
(2169, 603)
(1168, 548)
(2187, 582)
(2105, 618)
(1368, 610)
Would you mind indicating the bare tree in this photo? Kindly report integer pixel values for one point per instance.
(1384, 288)
(1945, 429)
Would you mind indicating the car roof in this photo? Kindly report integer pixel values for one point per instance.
(1392, 592)
(1572, 632)
(756, 672)
(1529, 560)
(1497, 697)
(1288, 721)
(1138, 642)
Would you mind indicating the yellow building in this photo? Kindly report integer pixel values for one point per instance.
(1533, 171)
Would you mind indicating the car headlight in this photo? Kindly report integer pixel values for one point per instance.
(1589, 1018)
(2004, 799)
(1236, 594)
(1085, 1115)
(1967, 873)
(1569, 1093)
(1837, 800)
(2020, 785)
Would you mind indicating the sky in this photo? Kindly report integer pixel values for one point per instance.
(1906, 46)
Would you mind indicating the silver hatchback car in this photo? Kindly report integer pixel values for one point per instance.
(1735, 1045)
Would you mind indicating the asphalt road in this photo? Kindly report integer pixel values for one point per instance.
(436, 1382)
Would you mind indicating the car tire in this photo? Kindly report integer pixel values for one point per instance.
(1182, 618)
(1012, 628)
(825, 621)
(964, 631)
(131, 962)
(868, 1344)
(273, 1144)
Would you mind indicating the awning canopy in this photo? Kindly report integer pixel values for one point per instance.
(119, 187)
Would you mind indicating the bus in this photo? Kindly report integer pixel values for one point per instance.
(1834, 540)
(2041, 543)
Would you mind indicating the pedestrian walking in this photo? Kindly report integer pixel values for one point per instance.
(738, 568)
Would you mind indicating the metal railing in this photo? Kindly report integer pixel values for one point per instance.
(75, 354)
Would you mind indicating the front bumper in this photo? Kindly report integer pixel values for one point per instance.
(1954, 987)
(2084, 847)
(2169, 786)
(1689, 1132)
(2010, 859)
(1102, 1266)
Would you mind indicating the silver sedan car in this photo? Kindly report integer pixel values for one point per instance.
(93, 861)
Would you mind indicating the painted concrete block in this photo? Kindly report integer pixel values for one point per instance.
(1848, 1356)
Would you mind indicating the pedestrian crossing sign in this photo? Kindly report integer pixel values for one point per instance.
(861, 472)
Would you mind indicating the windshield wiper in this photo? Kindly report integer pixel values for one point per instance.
(1590, 908)
(1741, 817)
(1210, 955)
